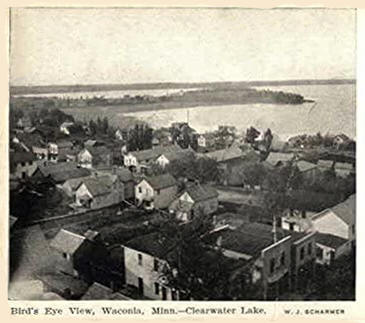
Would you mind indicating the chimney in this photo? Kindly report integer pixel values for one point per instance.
(219, 241)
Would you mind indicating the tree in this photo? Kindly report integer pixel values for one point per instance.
(251, 135)
(253, 174)
(198, 272)
(201, 169)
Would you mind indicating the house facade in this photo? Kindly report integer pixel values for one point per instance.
(22, 164)
(330, 248)
(65, 244)
(144, 264)
(339, 220)
(156, 192)
(196, 199)
(99, 192)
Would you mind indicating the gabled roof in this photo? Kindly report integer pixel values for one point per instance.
(155, 152)
(201, 192)
(224, 154)
(124, 175)
(62, 172)
(305, 166)
(274, 158)
(345, 210)
(161, 181)
(67, 242)
(330, 240)
(98, 186)
(325, 163)
(19, 157)
(89, 143)
(178, 154)
(343, 166)
(64, 144)
(99, 151)
(100, 292)
(342, 136)
(12, 220)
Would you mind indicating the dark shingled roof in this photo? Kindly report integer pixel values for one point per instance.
(178, 154)
(98, 186)
(19, 157)
(61, 172)
(251, 238)
(161, 181)
(201, 192)
(330, 240)
(100, 292)
(154, 244)
(224, 154)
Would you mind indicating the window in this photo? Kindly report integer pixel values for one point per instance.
(64, 255)
(310, 248)
(139, 189)
(303, 214)
(282, 258)
(291, 226)
(30, 163)
(155, 265)
(302, 250)
(164, 293)
(319, 253)
(139, 259)
(157, 288)
(158, 192)
(272, 265)
(24, 175)
(23, 164)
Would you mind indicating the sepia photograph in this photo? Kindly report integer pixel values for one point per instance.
(182, 154)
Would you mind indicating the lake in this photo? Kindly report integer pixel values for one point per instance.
(334, 111)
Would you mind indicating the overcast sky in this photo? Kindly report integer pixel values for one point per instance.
(84, 46)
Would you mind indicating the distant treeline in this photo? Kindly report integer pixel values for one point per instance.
(205, 97)
(20, 90)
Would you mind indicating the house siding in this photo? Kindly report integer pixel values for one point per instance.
(133, 271)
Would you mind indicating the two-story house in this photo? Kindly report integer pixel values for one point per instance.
(137, 160)
(98, 192)
(339, 221)
(280, 262)
(22, 164)
(98, 156)
(166, 158)
(194, 200)
(156, 192)
(144, 262)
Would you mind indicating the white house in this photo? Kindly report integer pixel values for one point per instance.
(136, 160)
(156, 192)
(166, 158)
(66, 243)
(330, 247)
(144, 262)
(22, 164)
(338, 220)
(195, 199)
